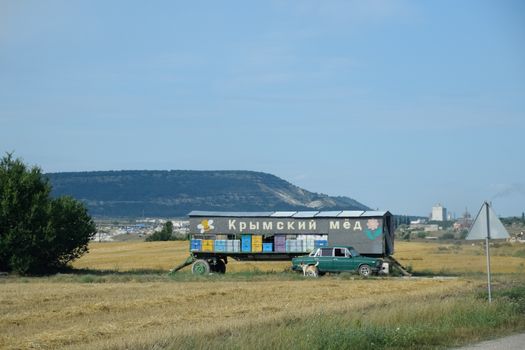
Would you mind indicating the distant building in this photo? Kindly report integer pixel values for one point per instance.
(464, 222)
(439, 213)
(414, 225)
(418, 221)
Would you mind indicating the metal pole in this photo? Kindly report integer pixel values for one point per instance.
(487, 250)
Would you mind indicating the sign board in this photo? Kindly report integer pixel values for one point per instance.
(487, 226)
(481, 230)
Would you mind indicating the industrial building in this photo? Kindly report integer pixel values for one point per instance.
(439, 213)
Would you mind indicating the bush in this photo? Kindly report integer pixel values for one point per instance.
(448, 235)
(38, 234)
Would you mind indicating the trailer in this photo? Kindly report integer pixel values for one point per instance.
(282, 235)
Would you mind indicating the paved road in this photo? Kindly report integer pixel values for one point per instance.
(513, 342)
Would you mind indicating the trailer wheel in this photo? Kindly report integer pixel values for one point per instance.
(365, 270)
(200, 267)
(312, 271)
(220, 267)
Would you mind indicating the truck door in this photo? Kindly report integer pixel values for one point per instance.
(343, 260)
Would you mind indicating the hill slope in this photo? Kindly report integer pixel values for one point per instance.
(176, 192)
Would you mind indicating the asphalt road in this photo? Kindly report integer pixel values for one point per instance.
(513, 342)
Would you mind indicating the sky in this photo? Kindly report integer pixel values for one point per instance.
(397, 104)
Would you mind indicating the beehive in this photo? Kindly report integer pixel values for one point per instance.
(207, 245)
(295, 245)
(246, 243)
(309, 244)
(257, 244)
(321, 243)
(267, 247)
(195, 245)
(233, 246)
(220, 245)
(280, 243)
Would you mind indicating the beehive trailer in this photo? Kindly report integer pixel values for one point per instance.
(280, 236)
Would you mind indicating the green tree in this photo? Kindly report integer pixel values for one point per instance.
(38, 234)
(166, 234)
(71, 227)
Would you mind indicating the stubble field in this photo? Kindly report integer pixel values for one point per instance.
(136, 305)
(433, 257)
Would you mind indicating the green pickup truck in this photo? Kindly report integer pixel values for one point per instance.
(336, 259)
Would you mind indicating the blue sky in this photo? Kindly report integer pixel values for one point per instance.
(398, 104)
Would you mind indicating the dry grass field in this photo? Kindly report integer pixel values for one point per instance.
(433, 257)
(151, 310)
(452, 258)
(125, 256)
(43, 314)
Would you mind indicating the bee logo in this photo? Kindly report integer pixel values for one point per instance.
(205, 225)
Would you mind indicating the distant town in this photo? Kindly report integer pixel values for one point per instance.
(129, 229)
(443, 225)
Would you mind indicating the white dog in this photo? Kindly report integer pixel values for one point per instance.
(304, 267)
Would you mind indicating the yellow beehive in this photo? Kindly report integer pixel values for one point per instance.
(207, 245)
(257, 241)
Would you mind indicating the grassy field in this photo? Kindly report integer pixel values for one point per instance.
(434, 257)
(136, 305)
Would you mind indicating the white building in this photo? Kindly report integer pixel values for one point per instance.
(439, 213)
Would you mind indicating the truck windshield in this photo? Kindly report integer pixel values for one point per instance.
(354, 252)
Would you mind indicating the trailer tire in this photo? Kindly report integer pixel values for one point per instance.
(200, 267)
(312, 271)
(220, 267)
(365, 270)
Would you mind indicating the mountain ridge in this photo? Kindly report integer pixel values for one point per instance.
(174, 193)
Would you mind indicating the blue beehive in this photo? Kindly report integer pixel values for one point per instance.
(195, 245)
(321, 243)
(220, 245)
(267, 247)
(246, 243)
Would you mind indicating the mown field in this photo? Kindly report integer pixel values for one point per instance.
(120, 297)
(434, 257)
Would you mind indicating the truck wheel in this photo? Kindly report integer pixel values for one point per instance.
(200, 267)
(365, 270)
(312, 271)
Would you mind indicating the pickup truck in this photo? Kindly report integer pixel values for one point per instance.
(336, 259)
